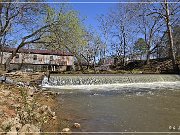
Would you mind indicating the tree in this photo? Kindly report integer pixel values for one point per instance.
(20, 19)
(176, 40)
(169, 14)
(92, 51)
(151, 26)
(169, 30)
(119, 26)
(68, 33)
(105, 27)
(140, 47)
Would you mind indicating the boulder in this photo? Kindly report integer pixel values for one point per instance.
(6, 92)
(13, 131)
(1, 132)
(2, 79)
(20, 84)
(43, 108)
(7, 124)
(30, 92)
(2, 99)
(16, 106)
(1, 112)
(66, 131)
(54, 118)
(51, 112)
(18, 126)
(27, 128)
(10, 123)
(9, 81)
(76, 125)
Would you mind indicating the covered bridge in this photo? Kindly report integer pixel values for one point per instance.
(39, 60)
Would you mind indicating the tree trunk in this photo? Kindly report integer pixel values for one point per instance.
(169, 30)
(1, 54)
(124, 48)
(148, 57)
(94, 64)
(7, 63)
(88, 62)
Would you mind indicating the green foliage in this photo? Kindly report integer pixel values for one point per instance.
(140, 46)
(67, 33)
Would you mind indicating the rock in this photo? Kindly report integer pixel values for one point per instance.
(66, 131)
(16, 120)
(30, 100)
(2, 78)
(29, 128)
(20, 84)
(30, 92)
(54, 117)
(76, 125)
(1, 112)
(9, 81)
(6, 92)
(18, 126)
(37, 115)
(16, 106)
(13, 131)
(51, 112)
(179, 128)
(25, 115)
(44, 108)
(2, 99)
(7, 124)
(11, 122)
(1, 132)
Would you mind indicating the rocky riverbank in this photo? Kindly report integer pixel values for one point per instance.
(24, 107)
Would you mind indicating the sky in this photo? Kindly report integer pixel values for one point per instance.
(90, 10)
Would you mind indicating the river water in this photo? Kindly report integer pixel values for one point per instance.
(135, 107)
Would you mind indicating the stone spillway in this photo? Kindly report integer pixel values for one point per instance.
(90, 79)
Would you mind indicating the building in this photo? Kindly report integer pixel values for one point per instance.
(39, 60)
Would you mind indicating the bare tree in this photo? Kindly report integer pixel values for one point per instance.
(123, 21)
(169, 13)
(151, 26)
(16, 21)
(105, 27)
(169, 30)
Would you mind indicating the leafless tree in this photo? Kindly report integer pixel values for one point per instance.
(169, 12)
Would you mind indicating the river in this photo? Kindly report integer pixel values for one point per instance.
(136, 107)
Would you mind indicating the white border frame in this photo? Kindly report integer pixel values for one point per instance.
(98, 2)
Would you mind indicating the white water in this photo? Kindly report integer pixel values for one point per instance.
(120, 82)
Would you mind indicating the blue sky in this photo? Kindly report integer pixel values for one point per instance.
(90, 10)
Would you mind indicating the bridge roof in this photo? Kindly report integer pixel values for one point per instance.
(36, 51)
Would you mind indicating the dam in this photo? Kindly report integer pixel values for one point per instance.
(91, 81)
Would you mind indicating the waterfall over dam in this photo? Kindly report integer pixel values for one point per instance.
(90, 80)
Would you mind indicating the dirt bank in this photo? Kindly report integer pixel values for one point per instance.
(24, 107)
